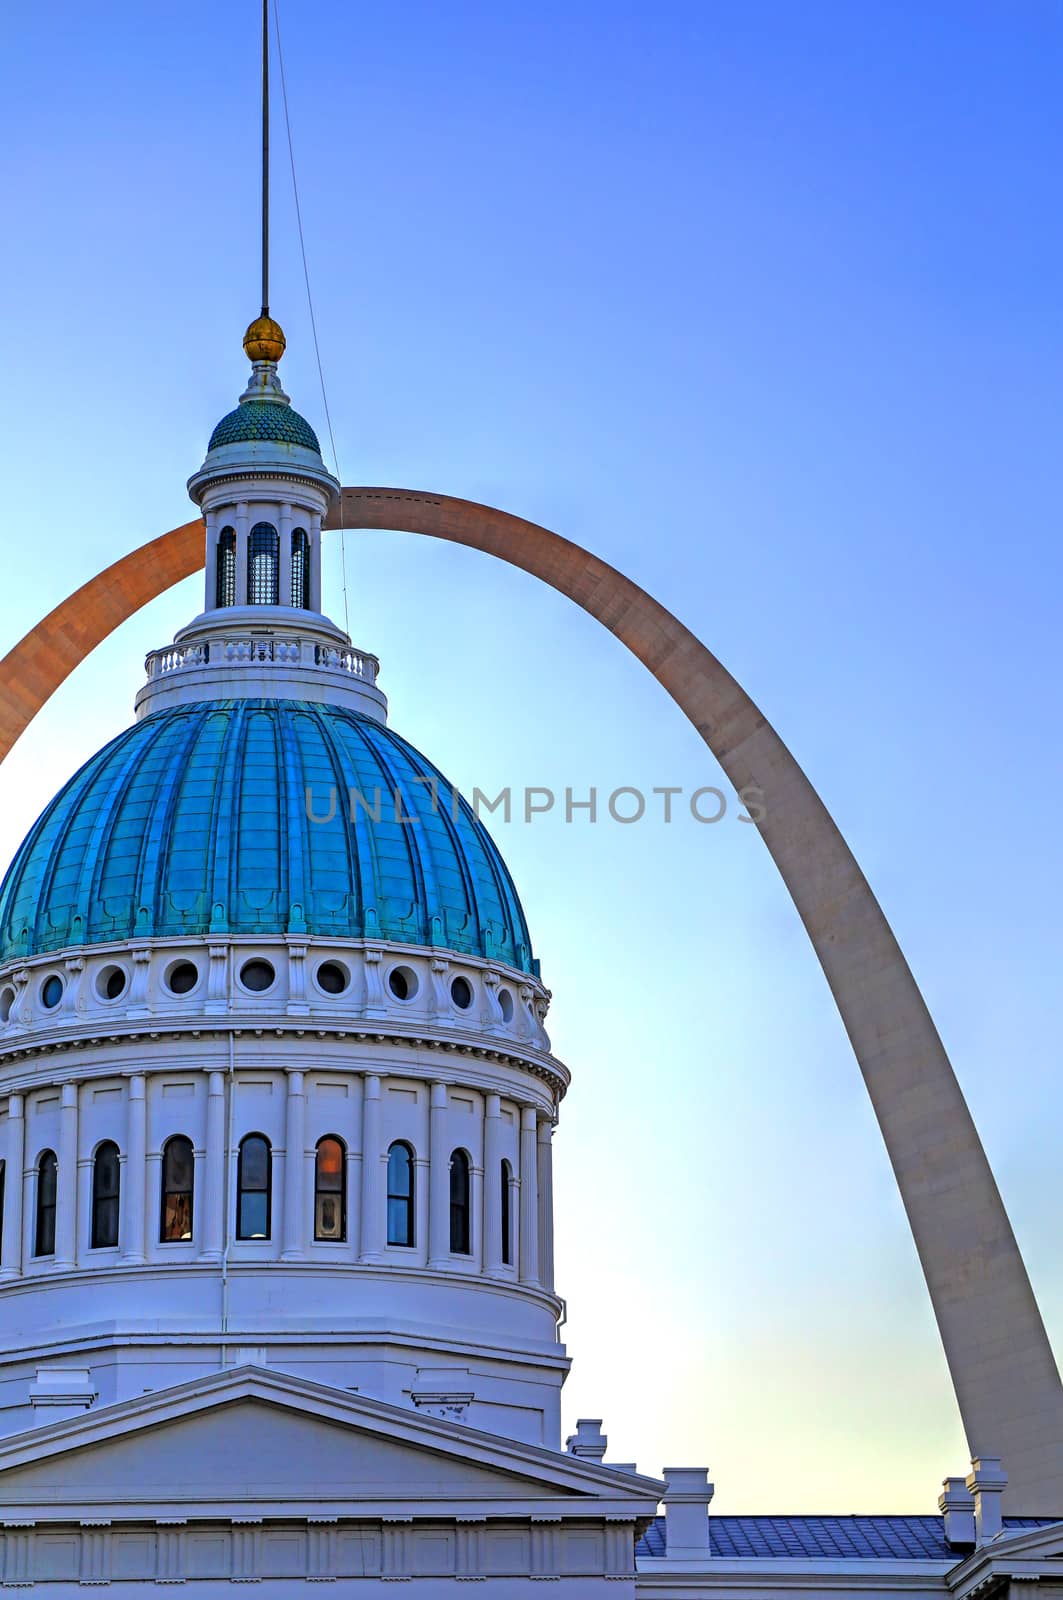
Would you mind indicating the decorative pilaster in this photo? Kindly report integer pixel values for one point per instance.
(493, 1185)
(215, 1220)
(321, 1549)
(95, 1564)
(241, 552)
(285, 530)
(441, 1004)
(545, 1547)
(169, 1550)
(372, 1174)
(245, 1549)
(217, 979)
(396, 1540)
(546, 1202)
(469, 1548)
(294, 1163)
(132, 1224)
(297, 1001)
(315, 561)
(619, 1547)
(17, 1536)
(138, 988)
(66, 1209)
(438, 1180)
(75, 969)
(529, 1197)
(374, 984)
(210, 588)
(14, 1188)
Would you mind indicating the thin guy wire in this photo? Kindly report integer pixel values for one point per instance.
(310, 307)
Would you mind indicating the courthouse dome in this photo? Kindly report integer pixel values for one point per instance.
(205, 819)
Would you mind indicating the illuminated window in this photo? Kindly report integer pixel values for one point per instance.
(400, 1195)
(106, 1177)
(253, 1172)
(459, 1204)
(47, 1180)
(300, 569)
(263, 565)
(330, 1189)
(225, 586)
(507, 1216)
(178, 1184)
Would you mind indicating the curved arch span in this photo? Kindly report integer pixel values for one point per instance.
(1003, 1370)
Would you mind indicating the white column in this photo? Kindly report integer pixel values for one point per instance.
(372, 1173)
(546, 1203)
(14, 1188)
(315, 562)
(294, 1163)
(210, 595)
(213, 1206)
(241, 553)
(135, 1172)
(493, 1186)
(285, 530)
(438, 1180)
(66, 1209)
(529, 1198)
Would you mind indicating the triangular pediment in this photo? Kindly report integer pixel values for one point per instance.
(259, 1438)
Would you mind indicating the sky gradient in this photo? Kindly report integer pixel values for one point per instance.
(761, 303)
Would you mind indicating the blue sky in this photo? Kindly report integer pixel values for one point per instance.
(761, 303)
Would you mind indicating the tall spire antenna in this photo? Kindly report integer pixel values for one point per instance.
(265, 158)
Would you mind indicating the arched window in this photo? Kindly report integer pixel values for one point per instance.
(253, 1173)
(330, 1189)
(300, 569)
(507, 1214)
(400, 1195)
(225, 588)
(459, 1204)
(47, 1179)
(178, 1185)
(263, 565)
(106, 1176)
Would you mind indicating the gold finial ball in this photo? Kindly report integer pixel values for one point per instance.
(264, 340)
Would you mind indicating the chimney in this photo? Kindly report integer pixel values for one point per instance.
(957, 1509)
(686, 1505)
(987, 1481)
(588, 1442)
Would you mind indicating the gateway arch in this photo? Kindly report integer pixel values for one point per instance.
(1003, 1371)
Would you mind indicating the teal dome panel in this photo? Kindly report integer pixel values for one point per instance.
(255, 420)
(236, 816)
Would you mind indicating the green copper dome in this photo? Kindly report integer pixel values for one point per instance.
(235, 816)
(255, 420)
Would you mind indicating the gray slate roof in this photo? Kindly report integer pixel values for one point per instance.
(829, 1538)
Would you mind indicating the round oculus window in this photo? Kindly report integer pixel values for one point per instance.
(51, 992)
(402, 981)
(111, 983)
(257, 975)
(333, 978)
(182, 977)
(461, 993)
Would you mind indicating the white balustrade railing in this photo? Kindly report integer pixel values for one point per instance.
(246, 650)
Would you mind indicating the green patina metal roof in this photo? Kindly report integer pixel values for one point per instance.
(264, 420)
(205, 819)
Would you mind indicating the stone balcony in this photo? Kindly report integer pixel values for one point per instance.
(239, 655)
